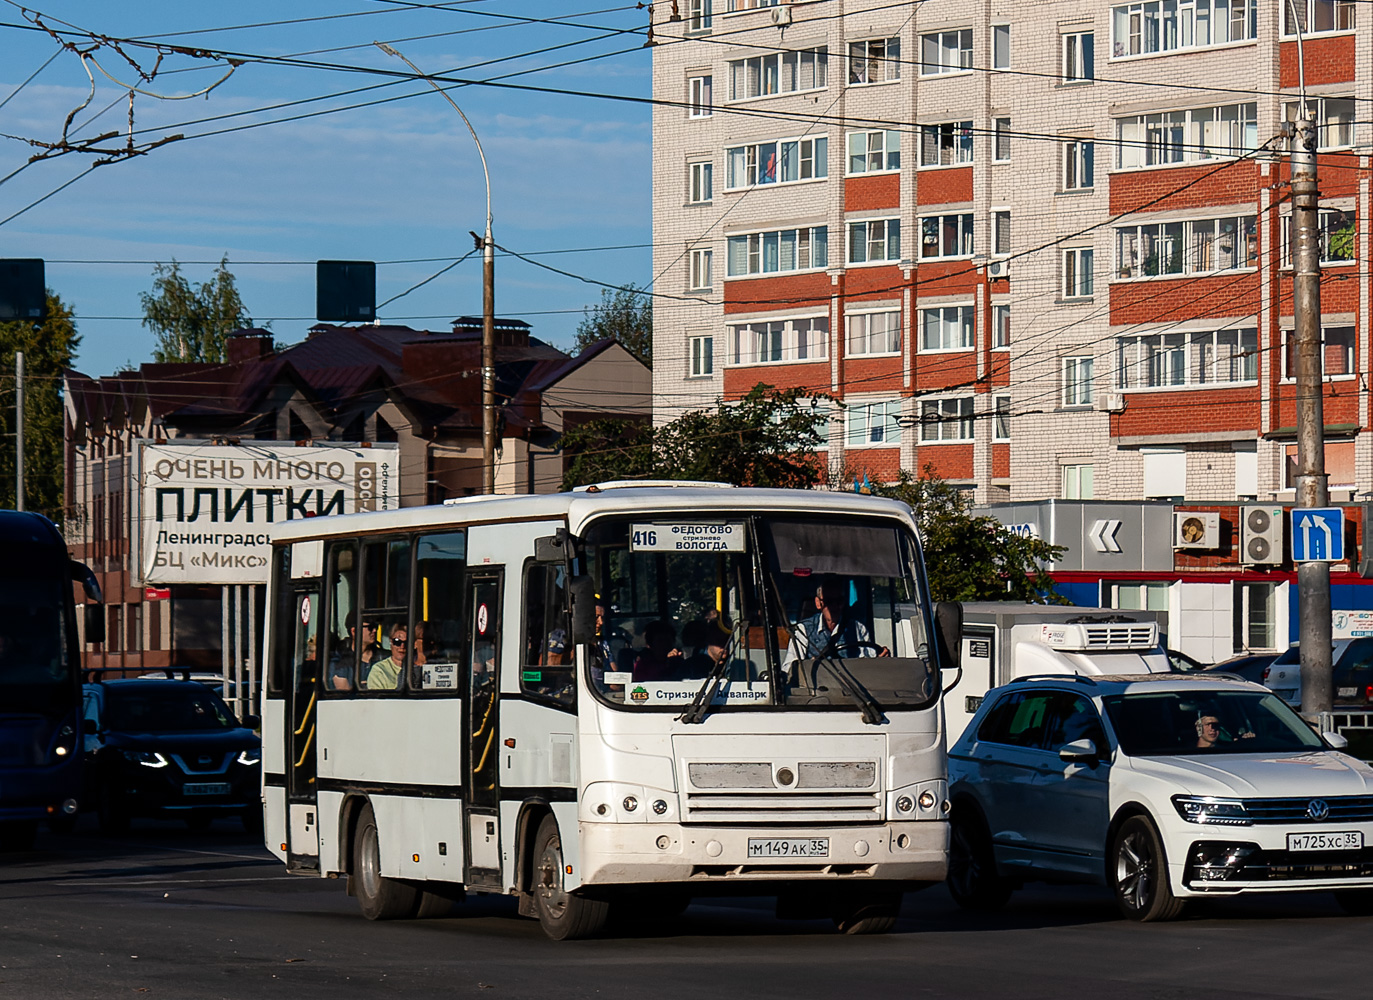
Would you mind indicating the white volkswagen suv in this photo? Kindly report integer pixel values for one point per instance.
(1162, 787)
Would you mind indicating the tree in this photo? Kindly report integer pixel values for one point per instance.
(191, 323)
(624, 315)
(970, 557)
(49, 348)
(768, 438)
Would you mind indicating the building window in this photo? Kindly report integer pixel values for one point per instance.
(874, 333)
(1339, 465)
(947, 144)
(1246, 470)
(1078, 482)
(700, 268)
(1318, 16)
(874, 240)
(946, 52)
(699, 103)
(702, 356)
(1001, 139)
(1254, 607)
(1217, 357)
(1001, 418)
(1338, 233)
(1077, 273)
(1079, 156)
(874, 423)
(762, 342)
(1079, 57)
(948, 328)
(1334, 118)
(874, 61)
(699, 186)
(699, 15)
(1001, 231)
(870, 152)
(1184, 136)
(1077, 381)
(1337, 352)
(1165, 473)
(1154, 26)
(1001, 326)
(946, 236)
(778, 73)
(1001, 46)
(1130, 595)
(1198, 247)
(946, 420)
(784, 161)
(774, 252)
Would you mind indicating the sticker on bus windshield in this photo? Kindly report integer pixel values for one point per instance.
(696, 536)
(684, 693)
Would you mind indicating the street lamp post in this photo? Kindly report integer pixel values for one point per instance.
(488, 245)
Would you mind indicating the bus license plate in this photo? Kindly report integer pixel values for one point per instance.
(1342, 840)
(789, 847)
(206, 788)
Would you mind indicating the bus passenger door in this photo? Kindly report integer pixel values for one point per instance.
(483, 686)
(302, 828)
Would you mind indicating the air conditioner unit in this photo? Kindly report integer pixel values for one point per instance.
(781, 16)
(1261, 535)
(1110, 402)
(999, 269)
(1099, 637)
(1193, 529)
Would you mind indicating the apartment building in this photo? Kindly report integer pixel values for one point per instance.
(1038, 245)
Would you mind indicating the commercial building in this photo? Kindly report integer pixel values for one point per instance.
(173, 470)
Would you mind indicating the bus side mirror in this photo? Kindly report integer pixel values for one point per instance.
(948, 629)
(95, 623)
(583, 609)
(82, 574)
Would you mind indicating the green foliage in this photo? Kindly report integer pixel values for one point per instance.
(768, 438)
(625, 315)
(49, 348)
(190, 323)
(970, 557)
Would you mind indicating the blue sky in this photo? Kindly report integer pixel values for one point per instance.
(388, 182)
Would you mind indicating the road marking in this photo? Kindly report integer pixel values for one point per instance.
(168, 881)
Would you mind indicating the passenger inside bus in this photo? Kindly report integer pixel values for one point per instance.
(385, 673)
(660, 659)
(711, 639)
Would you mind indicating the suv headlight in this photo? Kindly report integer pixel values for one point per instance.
(145, 757)
(250, 757)
(1214, 811)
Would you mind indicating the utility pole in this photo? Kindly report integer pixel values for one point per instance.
(1313, 578)
(18, 430)
(488, 361)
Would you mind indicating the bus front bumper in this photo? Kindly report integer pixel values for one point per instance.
(622, 853)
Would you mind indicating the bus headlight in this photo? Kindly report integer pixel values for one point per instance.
(927, 799)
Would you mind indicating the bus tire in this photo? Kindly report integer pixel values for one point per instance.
(973, 880)
(113, 817)
(563, 915)
(431, 906)
(379, 897)
(18, 835)
(868, 914)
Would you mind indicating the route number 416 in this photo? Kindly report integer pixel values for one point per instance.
(645, 538)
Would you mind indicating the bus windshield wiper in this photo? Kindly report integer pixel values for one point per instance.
(849, 684)
(700, 705)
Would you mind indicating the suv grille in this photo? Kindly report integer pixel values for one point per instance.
(1342, 809)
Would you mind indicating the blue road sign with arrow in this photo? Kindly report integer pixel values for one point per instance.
(1317, 534)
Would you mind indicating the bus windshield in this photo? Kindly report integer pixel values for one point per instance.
(796, 612)
(34, 668)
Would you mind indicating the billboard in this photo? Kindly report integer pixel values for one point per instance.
(207, 509)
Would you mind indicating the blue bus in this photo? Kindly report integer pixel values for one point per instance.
(40, 676)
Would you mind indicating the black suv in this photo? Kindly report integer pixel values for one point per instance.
(169, 748)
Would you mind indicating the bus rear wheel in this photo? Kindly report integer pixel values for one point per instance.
(563, 915)
(873, 913)
(379, 897)
(18, 835)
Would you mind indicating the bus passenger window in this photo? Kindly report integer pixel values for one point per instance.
(436, 652)
(342, 635)
(547, 670)
(385, 614)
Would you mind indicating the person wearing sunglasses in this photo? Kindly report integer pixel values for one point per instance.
(385, 673)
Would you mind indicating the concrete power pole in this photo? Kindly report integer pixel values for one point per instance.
(18, 430)
(488, 361)
(1313, 578)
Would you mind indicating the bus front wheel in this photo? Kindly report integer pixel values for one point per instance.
(564, 916)
(379, 897)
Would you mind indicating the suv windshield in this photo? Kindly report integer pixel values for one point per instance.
(176, 707)
(802, 612)
(1178, 723)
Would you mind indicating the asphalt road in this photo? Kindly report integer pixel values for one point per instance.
(163, 913)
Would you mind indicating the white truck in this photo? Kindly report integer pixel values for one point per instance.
(1003, 641)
